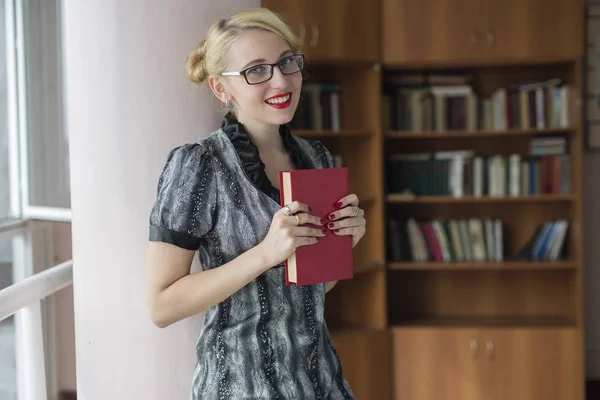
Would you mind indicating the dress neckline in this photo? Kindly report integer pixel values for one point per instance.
(250, 158)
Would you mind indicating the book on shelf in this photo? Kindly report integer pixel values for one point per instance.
(545, 170)
(330, 259)
(548, 243)
(446, 240)
(421, 103)
(319, 107)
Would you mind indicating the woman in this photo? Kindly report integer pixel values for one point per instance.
(261, 339)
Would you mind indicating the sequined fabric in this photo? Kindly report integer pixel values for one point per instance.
(268, 340)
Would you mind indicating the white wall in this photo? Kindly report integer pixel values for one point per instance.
(128, 103)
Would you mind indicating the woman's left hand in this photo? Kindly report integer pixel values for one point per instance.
(348, 219)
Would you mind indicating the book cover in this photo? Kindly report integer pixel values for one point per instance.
(330, 259)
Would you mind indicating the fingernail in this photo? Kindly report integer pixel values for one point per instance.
(338, 204)
(323, 222)
(309, 209)
(330, 225)
(331, 216)
(336, 230)
(324, 230)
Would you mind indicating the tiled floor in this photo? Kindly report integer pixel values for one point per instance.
(8, 373)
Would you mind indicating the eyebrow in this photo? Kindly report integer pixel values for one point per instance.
(262, 60)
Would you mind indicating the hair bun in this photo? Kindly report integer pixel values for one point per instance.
(196, 66)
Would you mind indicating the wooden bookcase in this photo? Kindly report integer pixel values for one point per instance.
(510, 329)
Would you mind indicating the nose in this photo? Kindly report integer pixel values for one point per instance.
(278, 79)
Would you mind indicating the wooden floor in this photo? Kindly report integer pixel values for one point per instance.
(592, 392)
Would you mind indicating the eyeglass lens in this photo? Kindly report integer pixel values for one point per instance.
(264, 72)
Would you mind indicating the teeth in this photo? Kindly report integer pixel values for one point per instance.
(279, 100)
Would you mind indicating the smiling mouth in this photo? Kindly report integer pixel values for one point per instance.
(279, 99)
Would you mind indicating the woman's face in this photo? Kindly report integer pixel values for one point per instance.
(274, 101)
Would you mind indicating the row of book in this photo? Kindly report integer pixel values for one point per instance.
(319, 107)
(469, 240)
(546, 170)
(442, 240)
(420, 103)
(548, 243)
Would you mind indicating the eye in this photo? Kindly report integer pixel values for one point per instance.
(259, 69)
(287, 60)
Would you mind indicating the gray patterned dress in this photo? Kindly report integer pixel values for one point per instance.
(268, 340)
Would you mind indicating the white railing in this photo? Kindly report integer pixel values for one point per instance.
(35, 288)
(23, 299)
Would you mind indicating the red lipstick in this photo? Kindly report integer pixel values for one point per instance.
(278, 105)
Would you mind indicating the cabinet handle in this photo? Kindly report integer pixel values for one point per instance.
(473, 38)
(490, 348)
(315, 35)
(301, 32)
(474, 347)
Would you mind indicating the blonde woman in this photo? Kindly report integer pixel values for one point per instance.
(219, 197)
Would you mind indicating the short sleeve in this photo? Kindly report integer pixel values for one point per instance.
(183, 211)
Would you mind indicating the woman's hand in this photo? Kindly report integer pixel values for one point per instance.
(349, 219)
(286, 233)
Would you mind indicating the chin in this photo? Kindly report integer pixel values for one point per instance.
(281, 117)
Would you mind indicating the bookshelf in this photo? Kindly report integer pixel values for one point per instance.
(475, 266)
(407, 198)
(479, 134)
(508, 321)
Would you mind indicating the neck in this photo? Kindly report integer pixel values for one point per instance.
(264, 136)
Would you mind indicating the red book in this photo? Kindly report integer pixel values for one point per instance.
(330, 259)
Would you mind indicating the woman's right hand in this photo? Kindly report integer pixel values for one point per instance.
(287, 233)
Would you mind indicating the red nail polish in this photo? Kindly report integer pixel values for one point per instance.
(309, 209)
(331, 216)
(324, 230)
(323, 222)
(338, 204)
(336, 230)
(330, 225)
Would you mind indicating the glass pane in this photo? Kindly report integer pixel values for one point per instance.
(48, 146)
(8, 367)
(4, 158)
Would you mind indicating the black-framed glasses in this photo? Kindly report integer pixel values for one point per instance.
(263, 72)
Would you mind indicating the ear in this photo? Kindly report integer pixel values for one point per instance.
(218, 88)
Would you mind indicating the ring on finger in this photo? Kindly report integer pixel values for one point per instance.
(287, 210)
(297, 218)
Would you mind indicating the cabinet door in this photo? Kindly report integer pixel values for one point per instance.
(433, 364)
(343, 30)
(292, 12)
(533, 30)
(525, 364)
(432, 31)
(366, 363)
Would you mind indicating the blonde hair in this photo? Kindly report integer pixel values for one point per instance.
(210, 57)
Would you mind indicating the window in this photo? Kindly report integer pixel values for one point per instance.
(34, 148)
(5, 167)
(47, 142)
